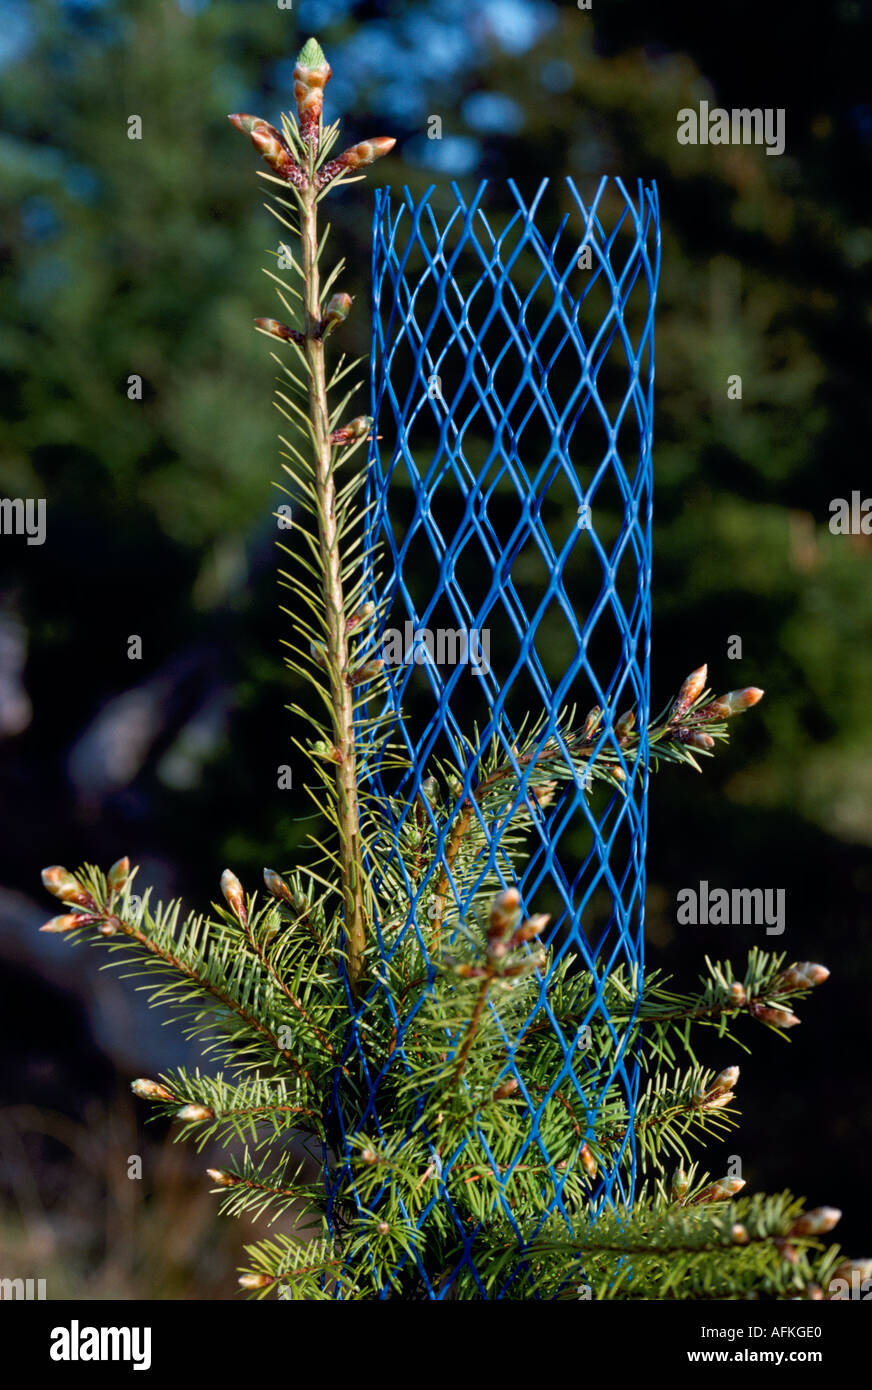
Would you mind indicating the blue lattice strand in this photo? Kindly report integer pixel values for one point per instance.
(519, 319)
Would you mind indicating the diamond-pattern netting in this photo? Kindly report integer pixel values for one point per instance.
(510, 493)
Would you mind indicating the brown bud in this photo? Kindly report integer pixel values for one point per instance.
(679, 1185)
(366, 611)
(724, 1081)
(221, 1177)
(337, 312)
(816, 1222)
(544, 793)
(358, 428)
(725, 706)
(150, 1090)
(534, 926)
(232, 890)
(195, 1112)
(118, 875)
(383, 1228)
(68, 922)
(272, 146)
(366, 152)
(505, 909)
(739, 700)
(279, 330)
(311, 75)
(695, 738)
(624, 727)
(430, 790)
(737, 993)
(109, 927)
(62, 884)
(593, 718)
(277, 886)
(367, 672)
(587, 1160)
(690, 691)
(739, 1234)
(328, 751)
(719, 1191)
(255, 1281)
(506, 1088)
(369, 1156)
(804, 974)
(775, 1018)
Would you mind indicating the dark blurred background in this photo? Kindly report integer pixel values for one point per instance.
(122, 258)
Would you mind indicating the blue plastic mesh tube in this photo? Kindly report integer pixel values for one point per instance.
(510, 498)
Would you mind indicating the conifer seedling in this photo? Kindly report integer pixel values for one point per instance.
(322, 989)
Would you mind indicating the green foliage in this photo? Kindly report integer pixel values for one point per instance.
(664, 1250)
(263, 990)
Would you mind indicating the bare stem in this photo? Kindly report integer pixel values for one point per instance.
(336, 647)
